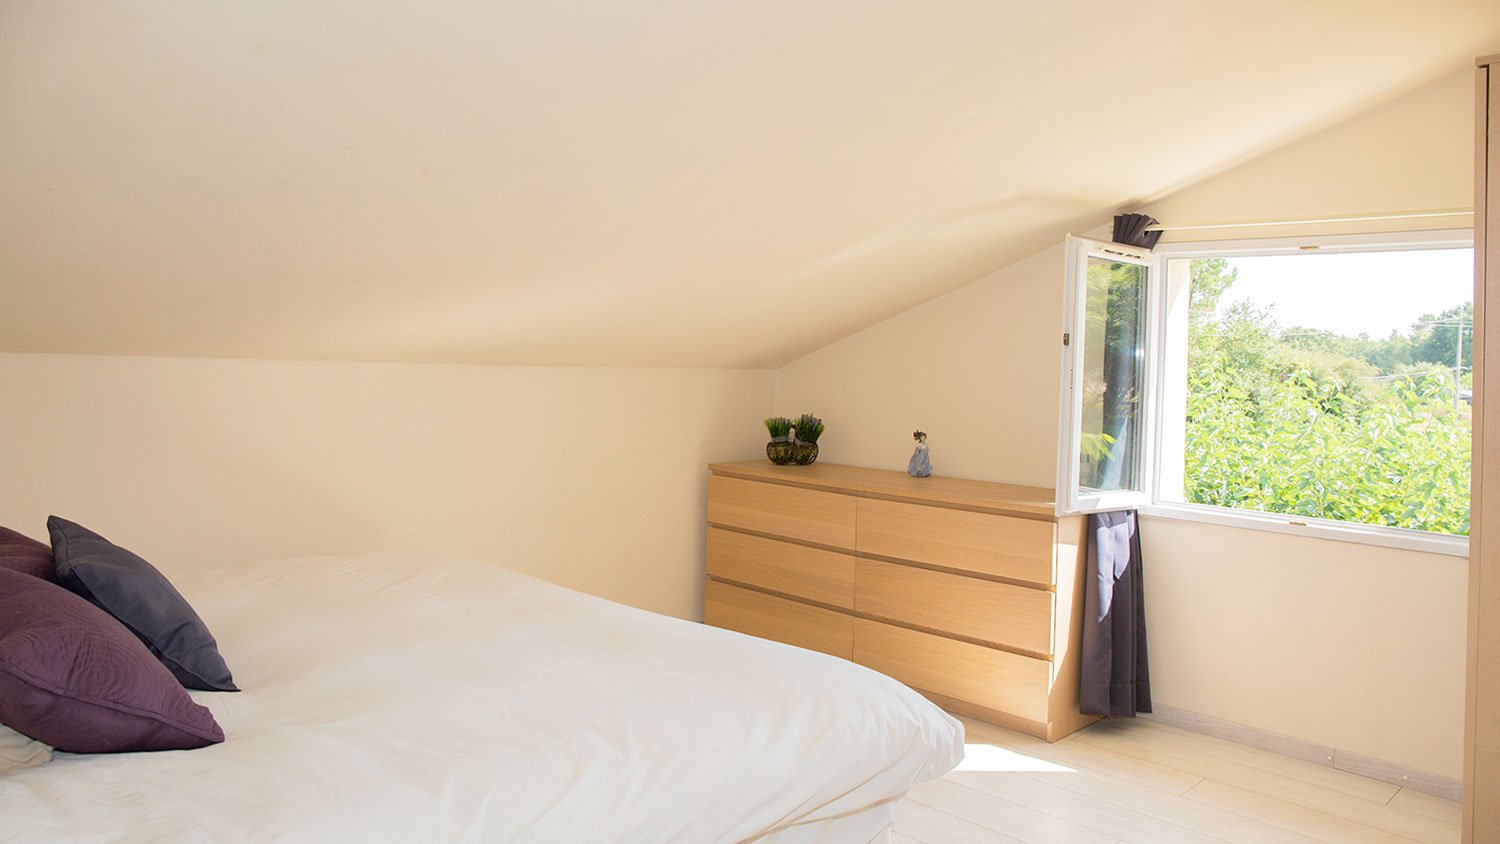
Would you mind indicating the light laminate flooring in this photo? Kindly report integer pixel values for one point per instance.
(1137, 781)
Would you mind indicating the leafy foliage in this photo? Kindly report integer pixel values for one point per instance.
(779, 426)
(1311, 423)
(808, 428)
(1436, 339)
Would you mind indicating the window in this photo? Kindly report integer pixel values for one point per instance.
(1319, 385)
(1105, 350)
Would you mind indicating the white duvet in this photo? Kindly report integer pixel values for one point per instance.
(407, 698)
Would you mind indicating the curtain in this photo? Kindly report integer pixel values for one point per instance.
(1130, 229)
(1116, 679)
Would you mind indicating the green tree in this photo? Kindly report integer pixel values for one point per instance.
(1311, 423)
(1210, 279)
(1436, 338)
(1387, 355)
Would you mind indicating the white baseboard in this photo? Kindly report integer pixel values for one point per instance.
(1448, 788)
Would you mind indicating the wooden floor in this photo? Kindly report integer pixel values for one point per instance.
(1140, 782)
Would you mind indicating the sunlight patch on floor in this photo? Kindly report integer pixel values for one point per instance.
(993, 759)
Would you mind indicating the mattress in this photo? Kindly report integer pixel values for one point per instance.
(402, 697)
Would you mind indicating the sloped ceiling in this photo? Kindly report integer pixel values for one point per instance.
(645, 183)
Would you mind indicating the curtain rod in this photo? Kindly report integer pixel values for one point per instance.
(1400, 215)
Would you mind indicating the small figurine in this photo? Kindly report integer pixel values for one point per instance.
(919, 466)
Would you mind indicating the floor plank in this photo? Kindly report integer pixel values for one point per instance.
(1145, 783)
(923, 823)
(1163, 735)
(1093, 813)
(1427, 804)
(1069, 754)
(1370, 811)
(1003, 816)
(1218, 823)
(1321, 825)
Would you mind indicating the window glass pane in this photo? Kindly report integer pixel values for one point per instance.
(1113, 376)
(1333, 386)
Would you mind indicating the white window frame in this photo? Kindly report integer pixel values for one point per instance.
(1150, 503)
(1071, 498)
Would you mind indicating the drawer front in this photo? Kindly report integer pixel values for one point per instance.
(963, 606)
(983, 676)
(811, 515)
(778, 619)
(812, 573)
(985, 543)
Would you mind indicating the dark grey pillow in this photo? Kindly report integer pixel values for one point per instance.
(134, 592)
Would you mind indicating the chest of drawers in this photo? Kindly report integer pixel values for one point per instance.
(968, 592)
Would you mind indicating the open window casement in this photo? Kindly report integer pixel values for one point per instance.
(1109, 323)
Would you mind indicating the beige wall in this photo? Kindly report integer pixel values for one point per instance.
(593, 478)
(977, 369)
(1353, 646)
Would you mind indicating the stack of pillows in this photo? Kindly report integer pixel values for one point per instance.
(96, 649)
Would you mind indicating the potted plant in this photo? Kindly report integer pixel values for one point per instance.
(780, 449)
(806, 431)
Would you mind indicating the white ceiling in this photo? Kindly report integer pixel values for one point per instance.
(690, 183)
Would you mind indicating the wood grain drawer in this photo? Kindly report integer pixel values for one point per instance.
(811, 515)
(812, 573)
(987, 677)
(778, 619)
(963, 606)
(986, 543)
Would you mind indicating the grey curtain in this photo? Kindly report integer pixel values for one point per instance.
(1130, 229)
(1116, 679)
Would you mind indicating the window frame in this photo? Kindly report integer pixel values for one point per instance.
(1150, 502)
(1072, 499)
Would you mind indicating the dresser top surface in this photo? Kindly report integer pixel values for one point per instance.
(884, 483)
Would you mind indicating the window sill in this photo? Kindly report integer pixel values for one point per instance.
(1386, 537)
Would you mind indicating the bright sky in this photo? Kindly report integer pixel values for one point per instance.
(1356, 292)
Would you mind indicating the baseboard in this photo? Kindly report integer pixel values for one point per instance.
(1448, 788)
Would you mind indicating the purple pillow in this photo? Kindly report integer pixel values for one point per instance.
(133, 591)
(74, 678)
(19, 552)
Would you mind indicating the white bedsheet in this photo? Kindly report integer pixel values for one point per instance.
(408, 698)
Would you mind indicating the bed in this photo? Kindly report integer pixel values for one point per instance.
(400, 697)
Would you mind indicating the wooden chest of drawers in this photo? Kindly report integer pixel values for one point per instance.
(968, 592)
